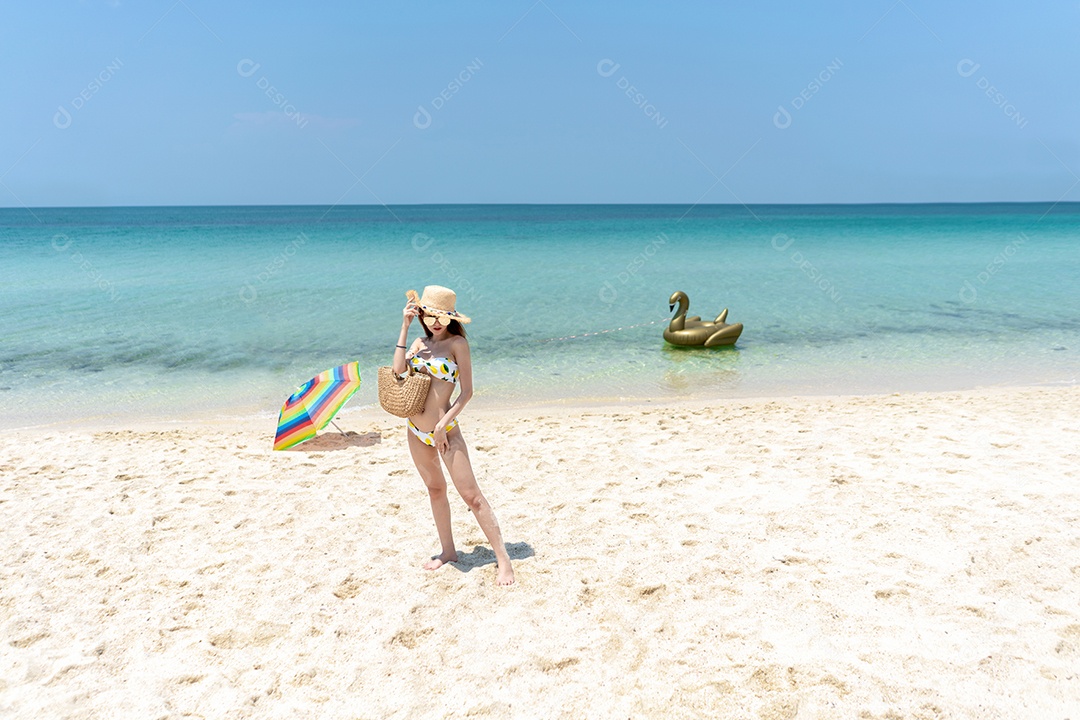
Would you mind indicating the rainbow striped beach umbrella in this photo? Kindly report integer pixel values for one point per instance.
(315, 403)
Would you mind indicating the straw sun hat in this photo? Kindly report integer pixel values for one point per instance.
(438, 301)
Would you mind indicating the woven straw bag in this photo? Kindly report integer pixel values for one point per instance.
(403, 396)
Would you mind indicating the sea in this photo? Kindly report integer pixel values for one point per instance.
(124, 314)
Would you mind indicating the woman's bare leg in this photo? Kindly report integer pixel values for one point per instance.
(457, 462)
(427, 464)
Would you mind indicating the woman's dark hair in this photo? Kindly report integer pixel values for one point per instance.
(454, 328)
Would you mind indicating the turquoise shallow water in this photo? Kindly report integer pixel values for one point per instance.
(174, 312)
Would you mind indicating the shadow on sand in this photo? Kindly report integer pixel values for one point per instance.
(482, 555)
(338, 441)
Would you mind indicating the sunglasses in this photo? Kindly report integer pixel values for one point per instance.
(430, 320)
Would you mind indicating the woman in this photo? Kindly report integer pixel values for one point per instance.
(444, 355)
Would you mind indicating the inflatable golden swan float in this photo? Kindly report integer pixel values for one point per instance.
(692, 331)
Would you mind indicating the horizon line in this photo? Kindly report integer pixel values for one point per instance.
(542, 204)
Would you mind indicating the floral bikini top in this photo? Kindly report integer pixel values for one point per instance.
(437, 367)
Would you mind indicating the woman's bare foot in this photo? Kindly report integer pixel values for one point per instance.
(504, 574)
(439, 560)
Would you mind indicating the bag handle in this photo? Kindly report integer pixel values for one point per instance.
(409, 372)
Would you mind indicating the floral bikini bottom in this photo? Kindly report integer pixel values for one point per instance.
(428, 438)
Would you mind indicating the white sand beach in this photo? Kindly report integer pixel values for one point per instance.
(901, 556)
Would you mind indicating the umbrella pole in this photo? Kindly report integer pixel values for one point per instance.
(338, 429)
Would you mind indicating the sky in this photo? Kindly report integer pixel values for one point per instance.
(192, 102)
